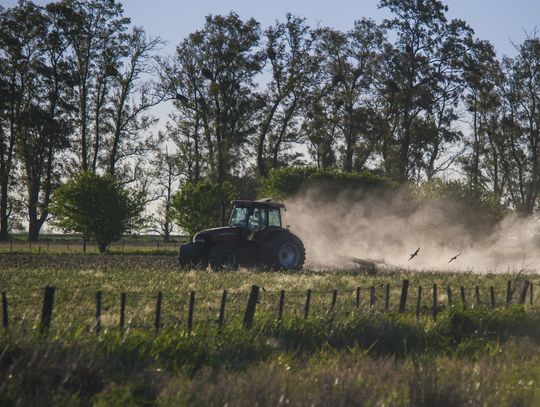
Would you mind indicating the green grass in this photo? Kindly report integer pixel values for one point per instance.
(476, 356)
(73, 244)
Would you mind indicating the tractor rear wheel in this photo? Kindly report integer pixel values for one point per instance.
(285, 252)
(223, 256)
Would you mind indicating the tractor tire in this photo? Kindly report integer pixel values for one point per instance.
(285, 252)
(223, 256)
(190, 258)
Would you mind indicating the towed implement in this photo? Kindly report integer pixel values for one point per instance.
(255, 237)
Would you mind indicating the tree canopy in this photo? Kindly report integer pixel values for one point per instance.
(97, 207)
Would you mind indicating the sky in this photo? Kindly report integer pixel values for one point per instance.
(500, 21)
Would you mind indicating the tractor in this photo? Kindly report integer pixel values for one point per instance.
(254, 238)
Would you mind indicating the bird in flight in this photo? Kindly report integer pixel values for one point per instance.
(414, 254)
(454, 258)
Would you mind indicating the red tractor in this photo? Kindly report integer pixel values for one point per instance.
(254, 238)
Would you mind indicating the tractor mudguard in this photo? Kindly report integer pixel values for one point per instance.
(265, 235)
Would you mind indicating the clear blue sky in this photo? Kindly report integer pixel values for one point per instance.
(496, 20)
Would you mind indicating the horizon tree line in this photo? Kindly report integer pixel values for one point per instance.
(413, 98)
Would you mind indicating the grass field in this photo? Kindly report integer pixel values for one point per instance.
(354, 355)
(70, 245)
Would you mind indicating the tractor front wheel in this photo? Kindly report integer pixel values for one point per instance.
(223, 256)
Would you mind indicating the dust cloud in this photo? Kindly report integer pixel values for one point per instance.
(386, 228)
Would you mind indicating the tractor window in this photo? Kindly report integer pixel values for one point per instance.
(258, 219)
(239, 217)
(273, 218)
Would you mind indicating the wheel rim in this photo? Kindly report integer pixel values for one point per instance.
(227, 258)
(288, 255)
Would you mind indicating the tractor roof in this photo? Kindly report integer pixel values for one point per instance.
(261, 203)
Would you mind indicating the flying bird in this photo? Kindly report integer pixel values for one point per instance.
(414, 254)
(454, 258)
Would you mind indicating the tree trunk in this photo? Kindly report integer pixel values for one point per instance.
(4, 228)
(34, 227)
(102, 247)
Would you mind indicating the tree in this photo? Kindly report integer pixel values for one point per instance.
(130, 100)
(349, 64)
(199, 206)
(97, 207)
(37, 114)
(94, 30)
(520, 126)
(166, 173)
(213, 81)
(420, 84)
(289, 52)
(483, 78)
(19, 48)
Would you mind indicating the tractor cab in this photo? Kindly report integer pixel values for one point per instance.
(256, 215)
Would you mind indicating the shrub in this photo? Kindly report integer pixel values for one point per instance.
(197, 206)
(286, 182)
(97, 207)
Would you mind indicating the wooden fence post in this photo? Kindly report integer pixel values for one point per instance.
(281, 304)
(372, 299)
(387, 298)
(449, 295)
(492, 296)
(333, 305)
(477, 295)
(435, 302)
(308, 301)
(191, 310)
(357, 297)
(157, 323)
(531, 296)
(97, 322)
(509, 293)
(463, 299)
(46, 313)
(403, 300)
(221, 319)
(523, 295)
(418, 302)
(122, 310)
(5, 319)
(251, 305)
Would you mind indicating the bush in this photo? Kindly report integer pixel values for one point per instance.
(286, 182)
(198, 206)
(97, 207)
(472, 207)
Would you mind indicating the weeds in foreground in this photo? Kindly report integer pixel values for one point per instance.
(328, 363)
